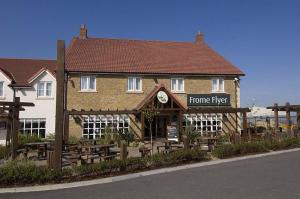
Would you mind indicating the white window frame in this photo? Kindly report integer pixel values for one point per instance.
(100, 122)
(31, 129)
(88, 89)
(218, 89)
(134, 84)
(176, 90)
(1, 96)
(45, 89)
(200, 122)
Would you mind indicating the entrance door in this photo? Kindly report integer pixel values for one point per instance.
(159, 127)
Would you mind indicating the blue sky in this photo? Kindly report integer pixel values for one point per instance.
(261, 37)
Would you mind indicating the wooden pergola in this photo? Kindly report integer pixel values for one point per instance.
(199, 110)
(288, 108)
(13, 109)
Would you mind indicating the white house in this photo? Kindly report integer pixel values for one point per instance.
(33, 81)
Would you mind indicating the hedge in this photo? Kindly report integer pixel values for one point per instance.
(230, 150)
(26, 172)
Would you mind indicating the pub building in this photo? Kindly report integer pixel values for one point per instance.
(112, 81)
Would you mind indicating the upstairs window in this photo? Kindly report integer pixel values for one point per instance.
(44, 89)
(88, 83)
(1, 89)
(177, 85)
(134, 84)
(218, 85)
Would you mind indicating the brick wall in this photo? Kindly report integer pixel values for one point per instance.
(111, 93)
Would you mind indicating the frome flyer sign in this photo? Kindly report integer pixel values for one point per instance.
(217, 99)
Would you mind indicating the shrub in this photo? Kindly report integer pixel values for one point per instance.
(26, 172)
(3, 151)
(73, 140)
(229, 150)
(23, 139)
(284, 144)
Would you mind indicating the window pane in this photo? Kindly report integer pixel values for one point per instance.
(84, 83)
(130, 84)
(173, 84)
(35, 124)
(221, 85)
(40, 89)
(42, 124)
(180, 84)
(28, 124)
(92, 83)
(1, 89)
(48, 89)
(214, 84)
(138, 84)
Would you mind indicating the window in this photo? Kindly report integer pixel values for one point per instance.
(177, 84)
(1, 89)
(44, 89)
(203, 123)
(95, 126)
(88, 83)
(134, 84)
(217, 85)
(33, 127)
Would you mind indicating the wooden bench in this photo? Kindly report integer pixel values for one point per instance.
(89, 158)
(22, 151)
(108, 157)
(144, 151)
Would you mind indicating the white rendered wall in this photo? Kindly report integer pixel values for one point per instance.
(44, 107)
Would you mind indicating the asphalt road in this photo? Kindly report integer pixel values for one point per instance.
(271, 177)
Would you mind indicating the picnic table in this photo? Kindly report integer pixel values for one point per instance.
(102, 151)
(209, 141)
(169, 145)
(41, 148)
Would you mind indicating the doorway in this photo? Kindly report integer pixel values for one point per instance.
(159, 126)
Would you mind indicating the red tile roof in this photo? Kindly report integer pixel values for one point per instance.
(145, 57)
(22, 70)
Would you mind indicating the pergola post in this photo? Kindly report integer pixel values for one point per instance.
(288, 118)
(66, 128)
(245, 124)
(15, 130)
(276, 125)
(298, 120)
(142, 126)
(59, 116)
(180, 126)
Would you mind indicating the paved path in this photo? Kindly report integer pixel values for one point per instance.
(273, 177)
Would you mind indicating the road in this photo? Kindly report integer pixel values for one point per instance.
(271, 177)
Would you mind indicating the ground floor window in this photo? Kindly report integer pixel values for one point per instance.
(203, 123)
(33, 127)
(94, 126)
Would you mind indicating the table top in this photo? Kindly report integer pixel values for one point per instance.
(99, 146)
(37, 143)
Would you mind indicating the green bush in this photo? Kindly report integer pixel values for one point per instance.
(284, 144)
(26, 172)
(3, 151)
(23, 139)
(229, 150)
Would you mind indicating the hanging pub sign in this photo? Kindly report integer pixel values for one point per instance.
(216, 99)
(162, 97)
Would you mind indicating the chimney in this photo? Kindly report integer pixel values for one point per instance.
(199, 38)
(83, 32)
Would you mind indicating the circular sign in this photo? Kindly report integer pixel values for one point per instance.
(162, 97)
